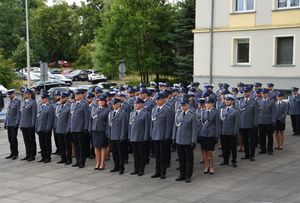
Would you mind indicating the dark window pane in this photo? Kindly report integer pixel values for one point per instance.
(295, 2)
(243, 51)
(285, 49)
(282, 3)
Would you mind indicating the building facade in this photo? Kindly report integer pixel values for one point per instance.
(248, 41)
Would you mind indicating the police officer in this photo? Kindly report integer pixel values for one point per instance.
(79, 123)
(272, 92)
(266, 121)
(161, 131)
(281, 112)
(294, 110)
(12, 122)
(139, 134)
(249, 116)
(27, 124)
(230, 117)
(43, 127)
(185, 136)
(90, 152)
(62, 114)
(117, 133)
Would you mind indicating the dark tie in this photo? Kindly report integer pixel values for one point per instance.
(136, 113)
(228, 110)
(158, 109)
(207, 113)
(42, 106)
(184, 114)
(114, 114)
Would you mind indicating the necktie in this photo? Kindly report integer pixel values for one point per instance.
(184, 114)
(207, 113)
(43, 106)
(158, 109)
(228, 109)
(136, 113)
(114, 114)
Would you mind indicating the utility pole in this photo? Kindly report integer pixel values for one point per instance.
(27, 45)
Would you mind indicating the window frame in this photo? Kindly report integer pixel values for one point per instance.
(234, 51)
(288, 7)
(234, 4)
(275, 37)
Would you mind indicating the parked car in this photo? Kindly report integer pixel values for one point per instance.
(78, 75)
(52, 91)
(96, 77)
(62, 78)
(55, 71)
(3, 90)
(40, 85)
(107, 86)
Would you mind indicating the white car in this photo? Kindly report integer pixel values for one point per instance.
(3, 90)
(96, 77)
(61, 78)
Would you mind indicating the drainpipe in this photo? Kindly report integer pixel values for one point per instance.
(211, 41)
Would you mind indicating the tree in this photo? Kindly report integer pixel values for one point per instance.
(85, 57)
(7, 74)
(184, 40)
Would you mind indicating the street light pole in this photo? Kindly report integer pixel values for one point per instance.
(27, 45)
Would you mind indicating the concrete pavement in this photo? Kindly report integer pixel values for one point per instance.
(271, 178)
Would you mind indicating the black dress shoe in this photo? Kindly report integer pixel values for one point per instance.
(31, 159)
(100, 169)
(81, 165)
(42, 160)
(177, 169)
(121, 172)
(56, 152)
(188, 180)
(75, 165)
(68, 162)
(220, 155)
(134, 173)
(252, 159)
(61, 162)
(24, 159)
(156, 175)
(96, 168)
(270, 153)
(162, 176)
(201, 162)
(126, 161)
(180, 178)
(245, 157)
(9, 157)
(234, 165)
(262, 152)
(223, 163)
(14, 157)
(47, 161)
(114, 170)
(140, 173)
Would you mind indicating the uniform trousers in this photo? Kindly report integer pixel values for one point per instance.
(45, 144)
(29, 141)
(186, 160)
(161, 156)
(12, 132)
(266, 131)
(139, 154)
(65, 146)
(248, 136)
(296, 124)
(229, 146)
(168, 157)
(118, 154)
(80, 144)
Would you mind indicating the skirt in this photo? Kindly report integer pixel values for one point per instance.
(280, 125)
(99, 139)
(208, 143)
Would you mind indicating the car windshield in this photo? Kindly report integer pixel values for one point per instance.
(59, 77)
(37, 83)
(75, 72)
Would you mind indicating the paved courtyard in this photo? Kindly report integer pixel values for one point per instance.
(271, 178)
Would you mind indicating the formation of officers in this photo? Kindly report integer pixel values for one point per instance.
(152, 122)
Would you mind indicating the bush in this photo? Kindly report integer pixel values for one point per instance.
(7, 74)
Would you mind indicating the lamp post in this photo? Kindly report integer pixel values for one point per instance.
(27, 45)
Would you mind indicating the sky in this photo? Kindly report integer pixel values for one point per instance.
(70, 2)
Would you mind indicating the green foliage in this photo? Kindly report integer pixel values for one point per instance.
(7, 74)
(85, 57)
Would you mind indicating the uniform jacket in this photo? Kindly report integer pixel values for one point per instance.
(162, 123)
(230, 121)
(199, 116)
(99, 119)
(62, 118)
(13, 113)
(267, 112)
(118, 124)
(248, 113)
(44, 118)
(139, 126)
(211, 124)
(149, 105)
(79, 120)
(220, 104)
(28, 114)
(281, 111)
(294, 104)
(185, 128)
(55, 105)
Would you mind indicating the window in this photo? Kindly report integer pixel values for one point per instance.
(241, 54)
(244, 5)
(288, 3)
(284, 50)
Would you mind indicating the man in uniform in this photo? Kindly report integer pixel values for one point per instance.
(79, 123)
(43, 127)
(294, 110)
(272, 92)
(12, 122)
(27, 124)
(161, 131)
(249, 115)
(139, 134)
(266, 122)
(230, 117)
(62, 129)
